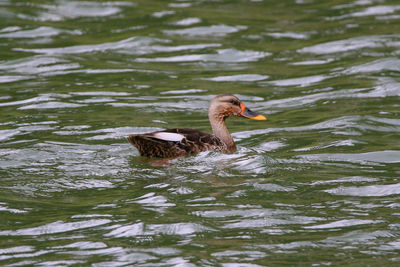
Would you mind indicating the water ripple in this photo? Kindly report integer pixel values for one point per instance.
(384, 88)
(56, 227)
(152, 200)
(223, 55)
(302, 82)
(187, 21)
(341, 123)
(63, 9)
(51, 105)
(77, 166)
(366, 191)
(160, 14)
(370, 11)
(269, 222)
(37, 65)
(13, 78)
(4, 208)
(42, 31)
(343, 223)
(354, 43)
(242, 212)
(236, 255)
(137, 44)
(238, 78)
(214, 30)
(379, 65)
(293, 35)
(385, 156)
(352, 179)
(141, 229)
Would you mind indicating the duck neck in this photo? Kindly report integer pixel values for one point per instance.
(219, 129)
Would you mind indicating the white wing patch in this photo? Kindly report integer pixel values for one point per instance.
(168, 136)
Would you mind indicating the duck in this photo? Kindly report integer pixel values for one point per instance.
(181, 142)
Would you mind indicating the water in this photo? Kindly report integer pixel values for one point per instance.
(317, 184)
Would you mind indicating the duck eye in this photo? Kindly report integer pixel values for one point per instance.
(234, 102)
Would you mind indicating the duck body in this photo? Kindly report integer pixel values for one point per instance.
(176, 142)
(173, 143)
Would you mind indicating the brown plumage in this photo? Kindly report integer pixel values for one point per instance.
(194, 142)
(181, 142)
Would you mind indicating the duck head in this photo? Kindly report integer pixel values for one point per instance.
(223, 106)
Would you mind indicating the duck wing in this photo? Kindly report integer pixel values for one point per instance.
(175, 143)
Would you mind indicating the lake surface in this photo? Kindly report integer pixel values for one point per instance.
(315, 185)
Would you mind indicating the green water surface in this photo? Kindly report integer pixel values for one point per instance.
(317, 184)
